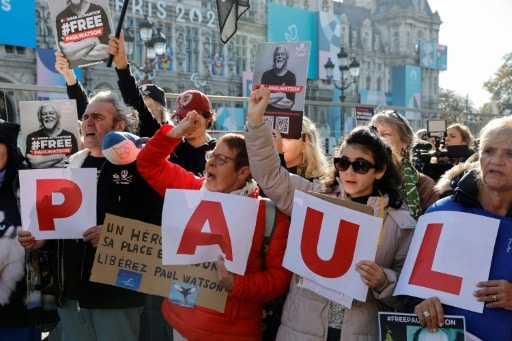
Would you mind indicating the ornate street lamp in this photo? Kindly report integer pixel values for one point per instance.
(154, 43)
(344, 83)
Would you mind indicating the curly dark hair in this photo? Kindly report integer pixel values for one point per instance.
(383, 156)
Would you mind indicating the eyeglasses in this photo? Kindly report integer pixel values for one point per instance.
(359, 166)
(219, 158)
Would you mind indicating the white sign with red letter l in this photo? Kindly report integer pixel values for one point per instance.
(450, 253)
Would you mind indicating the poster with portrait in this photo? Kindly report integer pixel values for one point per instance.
(283, 67)
(50, 132)
(407, 327)
(81, 29)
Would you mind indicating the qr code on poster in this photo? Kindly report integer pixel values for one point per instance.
(269, 119)
(282, 124)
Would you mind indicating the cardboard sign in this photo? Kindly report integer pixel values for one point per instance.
(326, 240)
(129, 255)
(446, 259)
(58, 203)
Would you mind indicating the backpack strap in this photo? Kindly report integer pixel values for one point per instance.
(270, 224)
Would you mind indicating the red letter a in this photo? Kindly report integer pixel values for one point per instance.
(422, 273)
(193, 237)
(344, 248)
(46, 210)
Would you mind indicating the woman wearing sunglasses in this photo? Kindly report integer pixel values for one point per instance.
(364, 172)
(226, 171)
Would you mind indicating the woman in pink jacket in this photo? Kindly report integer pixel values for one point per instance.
(227, 171)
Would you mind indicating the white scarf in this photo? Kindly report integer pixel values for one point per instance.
(247, 190)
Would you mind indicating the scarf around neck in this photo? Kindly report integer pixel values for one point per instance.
(409, 186)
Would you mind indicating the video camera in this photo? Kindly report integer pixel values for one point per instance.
(427, 160)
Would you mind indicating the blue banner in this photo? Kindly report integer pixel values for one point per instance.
(18, 23)
(292, 25)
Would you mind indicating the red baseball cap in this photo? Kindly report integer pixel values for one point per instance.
(192, 100)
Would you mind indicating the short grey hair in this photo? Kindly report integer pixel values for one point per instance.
(125, 113)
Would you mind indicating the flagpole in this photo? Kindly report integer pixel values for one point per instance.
(119, 28)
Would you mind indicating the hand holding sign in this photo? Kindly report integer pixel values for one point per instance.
(226, 278)
(93, 235)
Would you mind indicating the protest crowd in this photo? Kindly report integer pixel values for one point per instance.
(155, 230)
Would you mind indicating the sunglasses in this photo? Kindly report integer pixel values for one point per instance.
(397, 116)
(359, 166)
(219, 158)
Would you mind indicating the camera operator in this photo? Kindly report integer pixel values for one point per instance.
(455, 140)
(458, 134)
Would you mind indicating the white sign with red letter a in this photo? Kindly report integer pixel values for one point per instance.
(58, 203)
(327, 240)
(198, 226)
(449, 254)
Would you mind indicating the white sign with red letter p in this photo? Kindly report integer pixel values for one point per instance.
(58, 203)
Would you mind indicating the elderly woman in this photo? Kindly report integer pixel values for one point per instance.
(227, 171)
(485, 190)
(418, 187)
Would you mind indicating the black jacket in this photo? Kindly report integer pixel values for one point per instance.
(191, 158)
(123, 192)
(14, 312)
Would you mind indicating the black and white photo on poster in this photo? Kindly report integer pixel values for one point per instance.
(50, 131)
(283, 67)
(407, 327)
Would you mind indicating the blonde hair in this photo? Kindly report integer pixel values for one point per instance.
(314, 163)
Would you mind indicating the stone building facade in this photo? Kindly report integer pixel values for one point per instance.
(379, 33)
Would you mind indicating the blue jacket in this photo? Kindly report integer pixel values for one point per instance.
(495, 323)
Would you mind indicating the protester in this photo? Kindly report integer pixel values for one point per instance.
(127, 85)
(90, 310)
(485, 189)
(154, 97)
(14, 317)
(63, 143)
(304, 157)
(417, 187)
(227, 171)
(148, 98)
(190, 152)
(365, 173)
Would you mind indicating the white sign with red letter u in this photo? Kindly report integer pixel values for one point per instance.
(325, 242)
